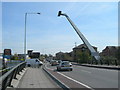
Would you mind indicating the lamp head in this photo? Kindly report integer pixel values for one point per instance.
(59, 13)
(38, 13)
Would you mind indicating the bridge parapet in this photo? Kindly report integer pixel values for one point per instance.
(6, 79)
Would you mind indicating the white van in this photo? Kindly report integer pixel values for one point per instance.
(33, 62)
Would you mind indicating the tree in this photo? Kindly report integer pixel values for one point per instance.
(15, 57)
(109, 60)
(83, 57)
(117, 55)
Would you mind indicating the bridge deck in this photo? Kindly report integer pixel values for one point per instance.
(36, 78)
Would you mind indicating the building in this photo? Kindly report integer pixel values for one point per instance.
(80, 49)
(109, 51)
(76, 54)
(33, 54)
(59, 55)
(64, 56)
(29, 52)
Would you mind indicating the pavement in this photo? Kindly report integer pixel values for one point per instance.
(36, 78)
(33, 78)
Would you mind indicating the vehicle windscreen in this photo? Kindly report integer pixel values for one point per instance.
(65, 63)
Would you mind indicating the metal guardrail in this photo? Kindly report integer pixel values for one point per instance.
(6, 79)
(2, 72)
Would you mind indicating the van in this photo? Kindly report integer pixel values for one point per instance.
(33, 62)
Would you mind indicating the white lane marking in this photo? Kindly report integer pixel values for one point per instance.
(86, 71)
(76, 81)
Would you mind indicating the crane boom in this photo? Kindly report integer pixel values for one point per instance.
(94, 53)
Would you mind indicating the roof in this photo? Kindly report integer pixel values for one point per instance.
(81, 46)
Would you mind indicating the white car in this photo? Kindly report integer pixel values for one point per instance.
(33, 62)
(65, 65)
(41, 63)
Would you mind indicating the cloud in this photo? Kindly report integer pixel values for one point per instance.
(89, 8)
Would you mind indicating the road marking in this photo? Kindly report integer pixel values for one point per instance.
(76, 81)
(71, 78)
(86, 71)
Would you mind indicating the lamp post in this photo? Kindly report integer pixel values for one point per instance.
(93, 52)
(25, 33)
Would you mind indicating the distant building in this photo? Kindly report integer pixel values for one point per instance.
(59, 55)
(29, 52)
(81, 48)
(73, 55)
(109, 51)
(33, 54)
(64, 56)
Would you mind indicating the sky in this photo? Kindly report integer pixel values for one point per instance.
(48, 33)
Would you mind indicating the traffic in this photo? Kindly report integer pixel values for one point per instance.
(61, 65)
(88, 76)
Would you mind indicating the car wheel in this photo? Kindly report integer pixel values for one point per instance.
(57, 69)
(29, 65)
(71, 69)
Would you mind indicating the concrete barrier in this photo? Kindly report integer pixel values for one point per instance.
(62, 85)
(99, 66)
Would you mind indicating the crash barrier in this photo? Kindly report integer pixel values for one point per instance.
(6, 79)
(62, 85)
(2, 72)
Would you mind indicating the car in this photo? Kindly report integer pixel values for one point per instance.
(40, 63)
(54, 63)
(59, 61)
(64, 65)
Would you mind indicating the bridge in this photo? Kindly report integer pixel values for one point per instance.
(46, 76)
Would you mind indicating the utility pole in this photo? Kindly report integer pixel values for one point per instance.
(25, 33)
(75, 44)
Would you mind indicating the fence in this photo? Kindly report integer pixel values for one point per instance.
(6, 79)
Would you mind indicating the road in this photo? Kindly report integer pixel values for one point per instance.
(93, 77)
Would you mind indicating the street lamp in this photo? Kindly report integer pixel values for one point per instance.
(25, 33)
(92, 50)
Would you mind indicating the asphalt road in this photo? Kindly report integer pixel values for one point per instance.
(93, 77)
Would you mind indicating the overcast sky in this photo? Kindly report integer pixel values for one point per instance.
(50, 34)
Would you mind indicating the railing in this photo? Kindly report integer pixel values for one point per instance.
(6, 79)
(2, 72)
